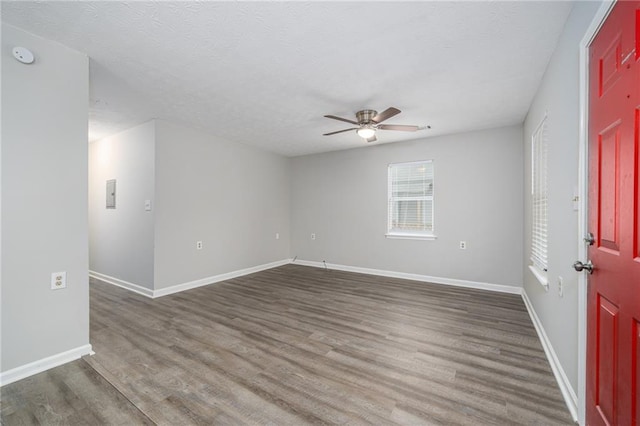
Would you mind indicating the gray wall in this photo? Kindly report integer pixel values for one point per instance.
(44, 200)
(121, 239)
(559, 96)
(342, 198)
(232, 197)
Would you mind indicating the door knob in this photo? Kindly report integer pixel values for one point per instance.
(579, 266)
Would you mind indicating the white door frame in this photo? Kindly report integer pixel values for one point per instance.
(583, 186)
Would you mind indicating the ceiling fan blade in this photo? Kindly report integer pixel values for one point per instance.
(386, 114)
(372, 139)
(340, 131)
(346, 120)
(400, 127)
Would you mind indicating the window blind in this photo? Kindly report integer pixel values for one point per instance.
(539, 194)
(411, 198)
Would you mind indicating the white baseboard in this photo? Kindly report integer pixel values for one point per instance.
(41, 365)
(569, 395)
(217, 278)
(416, 277)
(122, 283)
(188, 285)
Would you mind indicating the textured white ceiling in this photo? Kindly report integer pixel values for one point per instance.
(265, 73)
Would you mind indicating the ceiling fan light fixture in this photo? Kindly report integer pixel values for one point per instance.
(366, 132)
(369, 121)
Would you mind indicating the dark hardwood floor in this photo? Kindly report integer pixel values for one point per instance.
(298, 345)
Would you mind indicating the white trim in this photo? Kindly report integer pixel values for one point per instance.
(43, 364)
(122, 283)
(217, 278)
(501, 288)
(583, 184)
(188, 285)
(410, 162)
(568, 393)
(541, 276)
(393, 236)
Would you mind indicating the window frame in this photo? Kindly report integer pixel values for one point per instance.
(410, 235)
(540, 199)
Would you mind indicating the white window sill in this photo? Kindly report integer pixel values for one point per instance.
(541, 276)
(410, 236)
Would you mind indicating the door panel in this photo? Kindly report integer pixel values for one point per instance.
(636, 210)
(606, 371)
(609, 181)
(610, 65)
(637, 35)
(635, 375)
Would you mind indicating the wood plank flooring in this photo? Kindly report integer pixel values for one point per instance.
(298, 345)
(72, 394)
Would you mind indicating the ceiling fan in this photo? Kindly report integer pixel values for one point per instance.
(368, 121)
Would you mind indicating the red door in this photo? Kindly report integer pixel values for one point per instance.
(613, 317)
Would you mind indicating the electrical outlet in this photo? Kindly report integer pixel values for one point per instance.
(463, 245)
(58, 280)
(277, 235)
(199, 245)
(560, 287)
(313, 236)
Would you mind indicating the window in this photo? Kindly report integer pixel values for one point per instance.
(411, 200)
(539, 202)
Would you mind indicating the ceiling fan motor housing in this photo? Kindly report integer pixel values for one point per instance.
(366, 116)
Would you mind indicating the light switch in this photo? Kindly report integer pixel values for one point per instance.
(147, 205)
(111, 194)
